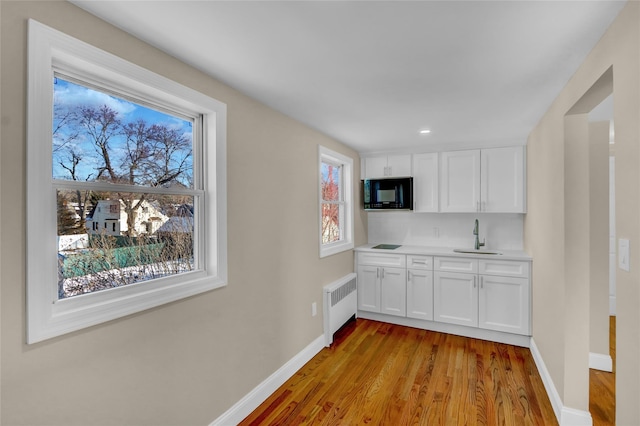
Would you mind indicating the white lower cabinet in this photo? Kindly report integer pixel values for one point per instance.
(393, 291)
(420, 294)
(368, 288)
(455, 298)
(492, 302)
(504, 304)
(481, 293)
(382, 283)
(420, 287)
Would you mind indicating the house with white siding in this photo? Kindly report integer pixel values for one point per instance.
(110, 218)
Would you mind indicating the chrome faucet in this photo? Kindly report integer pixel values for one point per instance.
(478, 244)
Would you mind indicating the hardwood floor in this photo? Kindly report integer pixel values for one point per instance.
(602, 387)
(378, 373)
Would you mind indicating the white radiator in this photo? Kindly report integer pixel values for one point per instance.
(340, 304)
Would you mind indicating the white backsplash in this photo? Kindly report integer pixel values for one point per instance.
(502, 231)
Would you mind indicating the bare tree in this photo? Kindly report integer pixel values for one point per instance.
(135, 153)
(101, 125)
(330, 210)
(64, 132)
(70, 164)
(171, 156)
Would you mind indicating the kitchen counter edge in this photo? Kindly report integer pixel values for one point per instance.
(446, 251)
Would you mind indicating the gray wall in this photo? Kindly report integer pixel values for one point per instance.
(561, 313)
(187, 362)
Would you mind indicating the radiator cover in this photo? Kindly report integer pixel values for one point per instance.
(340, 303)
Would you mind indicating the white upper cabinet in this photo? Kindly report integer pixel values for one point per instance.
(460, 181)
(425, 182)
(502, 187)
(487, 180)
(387, 166)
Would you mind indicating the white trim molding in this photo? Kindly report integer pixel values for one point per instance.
(573, 417)
(260, 393)
(346, 242)
(566, 416)
(47, 314)
(602, 362)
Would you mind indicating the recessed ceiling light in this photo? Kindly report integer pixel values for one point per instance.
(425, 131)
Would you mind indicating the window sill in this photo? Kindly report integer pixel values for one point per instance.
(335, 248)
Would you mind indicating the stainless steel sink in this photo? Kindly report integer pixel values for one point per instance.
(479, 251)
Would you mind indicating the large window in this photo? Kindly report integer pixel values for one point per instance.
(126, 187)
(336, 202)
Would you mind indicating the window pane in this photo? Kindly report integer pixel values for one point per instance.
(331, 182)
(100, 137)
(108, 239)
(331, 222)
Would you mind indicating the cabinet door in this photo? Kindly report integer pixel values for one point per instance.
(394, 291)
(420, 294)
(455, 298)
(504, 304)
(368, 288)
(502, 180)
(375, 167)
(425, 182)
(399, 165)
(460, 181)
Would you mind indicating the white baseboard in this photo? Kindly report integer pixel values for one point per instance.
(552, 392)
(612, 306)
(573, 417)
(600, 362)
(260, 393)
(459, 330)
(566, 416)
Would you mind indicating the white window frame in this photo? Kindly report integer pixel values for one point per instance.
(48, 316)
(327, 155)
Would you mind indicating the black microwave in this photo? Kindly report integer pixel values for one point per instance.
(388, 194)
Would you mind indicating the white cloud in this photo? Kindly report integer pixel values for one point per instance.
(71, 95)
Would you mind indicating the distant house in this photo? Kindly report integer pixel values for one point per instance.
(182, 222)
(109, 217)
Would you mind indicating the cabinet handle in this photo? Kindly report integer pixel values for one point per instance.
(477, 206)
(408, 275)
(382, 273)
(481, 282)
(484, 206)
(474, 281)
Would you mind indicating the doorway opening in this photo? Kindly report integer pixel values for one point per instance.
(589, 237)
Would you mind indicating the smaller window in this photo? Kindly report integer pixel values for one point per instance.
(335, 202)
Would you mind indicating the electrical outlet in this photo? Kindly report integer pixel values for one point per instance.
(314, 309)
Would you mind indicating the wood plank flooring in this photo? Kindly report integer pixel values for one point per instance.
(384, 374)
(602, 387)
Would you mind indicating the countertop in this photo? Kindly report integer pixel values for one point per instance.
(447, 251)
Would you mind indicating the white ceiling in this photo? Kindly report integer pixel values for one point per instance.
(373, 73)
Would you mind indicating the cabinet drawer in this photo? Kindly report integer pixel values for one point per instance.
(456, 264)
(382, 259)
(505, 268)
(419, 262)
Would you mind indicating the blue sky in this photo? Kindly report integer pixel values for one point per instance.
(71, 95)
